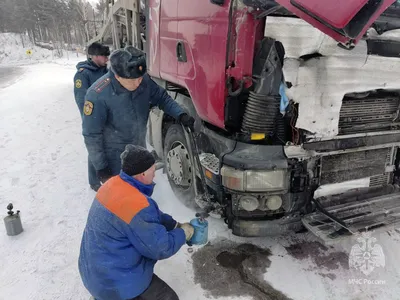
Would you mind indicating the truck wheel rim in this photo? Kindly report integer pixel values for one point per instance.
(179, 167)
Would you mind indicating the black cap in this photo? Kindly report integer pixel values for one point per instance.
(98, 49)
(128, 63)
(136, 160)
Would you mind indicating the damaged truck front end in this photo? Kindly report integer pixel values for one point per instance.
(298, 113)
(316, 128)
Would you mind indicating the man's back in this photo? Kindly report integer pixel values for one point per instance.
(124, 237)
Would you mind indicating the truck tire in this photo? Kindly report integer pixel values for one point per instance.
(179, 165)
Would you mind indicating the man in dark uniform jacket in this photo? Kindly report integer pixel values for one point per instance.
(117, 108)
(88, 72)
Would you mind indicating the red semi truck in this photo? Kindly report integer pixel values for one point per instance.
(296, 104)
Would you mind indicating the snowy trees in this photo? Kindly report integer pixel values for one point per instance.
(71, 22)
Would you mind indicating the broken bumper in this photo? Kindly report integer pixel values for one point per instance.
(362, 210)
(246, 228)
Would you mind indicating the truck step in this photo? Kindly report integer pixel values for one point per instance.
(377, 213)
(210, 162)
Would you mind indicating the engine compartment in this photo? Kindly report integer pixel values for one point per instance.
(320, 75)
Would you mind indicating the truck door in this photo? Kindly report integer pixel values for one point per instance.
(168, 39)
(152, 45)
(344, 20)
(201, 54)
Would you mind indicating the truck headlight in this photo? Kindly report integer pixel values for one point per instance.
(254, 181)
(274, 202)
(249, 203)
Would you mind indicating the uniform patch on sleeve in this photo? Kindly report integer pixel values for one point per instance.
(88, 108)
(81, 69)
(78, 83)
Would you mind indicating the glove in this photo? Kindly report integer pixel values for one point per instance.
(187, 121)
(188, 229)
(104, 174)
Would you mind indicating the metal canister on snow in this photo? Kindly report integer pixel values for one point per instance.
(13, 222)
(200, 235)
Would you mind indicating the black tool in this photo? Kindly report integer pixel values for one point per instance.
(206, 195)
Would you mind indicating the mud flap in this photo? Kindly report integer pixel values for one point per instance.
(345, 215)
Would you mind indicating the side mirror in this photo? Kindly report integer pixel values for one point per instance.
(218, 2)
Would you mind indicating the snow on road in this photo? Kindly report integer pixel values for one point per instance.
(43, 173)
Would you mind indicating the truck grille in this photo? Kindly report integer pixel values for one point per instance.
(373, 113)
(386, 178)
(380, 180)
(356, 165)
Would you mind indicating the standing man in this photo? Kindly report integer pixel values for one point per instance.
(117, 108)
(126, 234)
(88, 72)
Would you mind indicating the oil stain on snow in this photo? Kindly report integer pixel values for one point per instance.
(226, 269)
(323, 258)
(320, 255)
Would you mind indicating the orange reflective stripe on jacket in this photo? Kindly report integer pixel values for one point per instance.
(122, 199)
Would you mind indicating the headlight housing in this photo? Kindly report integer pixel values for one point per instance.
(249, 203)
(254, 181)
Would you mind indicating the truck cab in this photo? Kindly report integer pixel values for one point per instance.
(297, 110)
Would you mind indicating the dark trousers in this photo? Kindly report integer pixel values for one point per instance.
(158, 290)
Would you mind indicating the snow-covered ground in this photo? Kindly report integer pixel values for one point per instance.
(17, 49)
(43, 173)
